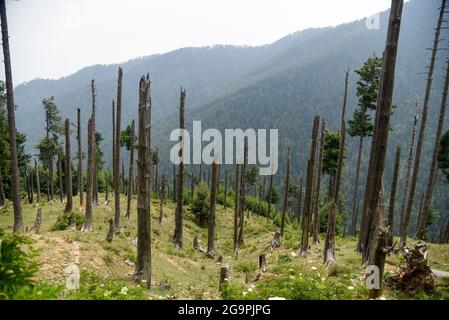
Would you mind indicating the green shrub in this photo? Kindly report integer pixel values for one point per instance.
(17, 265)
(246, 266)
(63, 221)
(200, 203)
(284, 257)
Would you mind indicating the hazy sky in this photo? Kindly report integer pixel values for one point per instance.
(54, 38)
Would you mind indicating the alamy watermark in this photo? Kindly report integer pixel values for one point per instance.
(193, 152)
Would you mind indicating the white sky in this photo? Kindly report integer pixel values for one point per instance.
(54, 38)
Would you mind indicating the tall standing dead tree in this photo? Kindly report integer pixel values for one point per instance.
(143, 261)
(15, 184)
(243, 187)
(236, 208)
(116, 160)
(177, 237)
(307, 211)
(94, 117)
(38, 183)
(391, 203)
(80, 160)
(286, 191)
(90, 175)
(372, 211)
(425, 109)
(131, 171)
(316, 213)
(212, 207)
(68, 168)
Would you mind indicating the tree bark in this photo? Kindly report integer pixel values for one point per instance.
(307, 212)
(143, 263)
(355, 207)
(270, 195)
(94, 117)
(131, 172)
(38, 184)
(212, 206)
(422, 222)
(60, 178)
(116, 164)
(178, 235)
(174, 184)
(287, 185)
(90, 175)
(374, 181)
(417, 161)
(15, 184)
(225, 189)
(68, 168)
(300, 191)
(162, 197)
(391, 204)
(243, 187)
(80, 161)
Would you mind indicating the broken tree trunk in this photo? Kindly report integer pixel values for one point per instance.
(90, 176)
(116, 160)
(316, 213)
(131, 172)
(80, 160)
(381, 131)
(143, 261)
(212, 207)
(224, 275)
(68, 168)
(37, 223)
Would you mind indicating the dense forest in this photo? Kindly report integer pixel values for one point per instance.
(86, 173)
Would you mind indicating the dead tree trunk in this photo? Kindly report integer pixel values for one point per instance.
(143, 262)
(224, 276)
(236, 208)
(287, 185)
(37, 223)
(178, 235)
(162, 197)
(225, 189)
(60, 178)
(243, 187)
(417, 161)
(90, 175)
(270, 195)
(316, 213)
(307, 212)
(422, 222)
(80, 161)
(212, 206)
(373, 189)
(300, 191)
(68, 168)
(174, 184)
(27, 183)
(116, 160)
(38, 184)
(405, 220)
(355, 202)
(15, 184)
(391, 204)
(131, 172)
(94, 117)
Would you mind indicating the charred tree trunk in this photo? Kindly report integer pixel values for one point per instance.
(68, 168)
(316, 214)
(391, 204)
(212, 206)
(236, 208)
(422, 222)
(417, 161)
(243, 187)
(131, 172)
(80, 160)
(15, 184)
(143, 263)
(287, 185)
(90, 175)
(373, 189)
(307, 212)
(178, 235)
(116, 160)
(405, 220)
(355, 202)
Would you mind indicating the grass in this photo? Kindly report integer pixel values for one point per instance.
(186, 274)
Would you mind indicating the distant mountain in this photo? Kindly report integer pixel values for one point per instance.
(282, 85)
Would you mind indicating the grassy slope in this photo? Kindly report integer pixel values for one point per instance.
(189, 274)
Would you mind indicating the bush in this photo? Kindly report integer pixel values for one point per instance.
(200, 203)
(17, 266)
(246, 266)
(63, 221)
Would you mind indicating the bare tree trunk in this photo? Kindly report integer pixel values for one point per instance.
(422, 222)
(287, 185)
(178, 235)
(242, 197)
(405, 220)
(116, 164)
(156, 175)
(38, 184)
(391, 204)
(236, 208)
(225, 189)
(68, 168)
(143, 263)
(355, 207)
(90, 175)
(15, 185)
(307, 212)
(270, 195)
(417, 161)
(162, 197)
(174, 184)
(60, 178)
(300, 191)
(212, 206)
(316, 213)
(373, 187)
(27, 183)
(94, 117)
(131, 172)
(80, 160)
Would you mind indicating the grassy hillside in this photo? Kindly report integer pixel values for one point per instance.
(106, 269)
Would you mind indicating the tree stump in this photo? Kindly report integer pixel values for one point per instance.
(224, 275)
(37, 223)
(262, 263)
(276, 242)
(110, 234)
